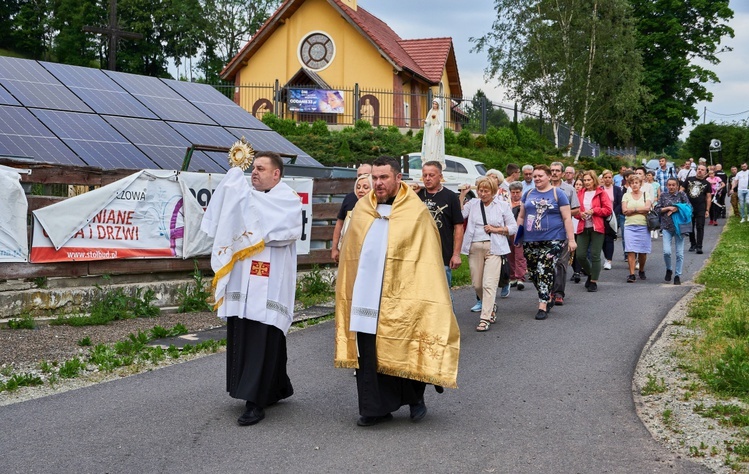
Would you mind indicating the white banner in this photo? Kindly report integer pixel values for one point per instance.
(14, 245)
(150, 214)
(197, 189)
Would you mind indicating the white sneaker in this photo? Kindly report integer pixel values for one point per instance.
(743, 219)
(607, 265)
(637, 265)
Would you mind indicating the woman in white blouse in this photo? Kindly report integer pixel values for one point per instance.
(489, 223)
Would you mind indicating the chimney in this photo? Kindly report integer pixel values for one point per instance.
(350, 3)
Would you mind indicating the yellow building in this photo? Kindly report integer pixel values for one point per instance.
(333, 60)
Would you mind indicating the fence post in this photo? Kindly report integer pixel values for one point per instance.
(541, 122)
(276, 96)
(357, 104)
(483, 115)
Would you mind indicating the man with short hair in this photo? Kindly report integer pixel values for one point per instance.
(741, 183)
(444, 207)
(349, 201)
(569, 176)
(663, 173)
(512, 174)
(394, 319)
(619, 179)
(255, 230)
(527, 178)
(560, 274)
(732, 191)
(700, 196)
(645, 187)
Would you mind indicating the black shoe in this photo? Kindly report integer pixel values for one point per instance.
(373, 420)
(251, 416)
(592, 287)
(587, 282)
(575, 277)
(692, 248)
(541, 314)
(668, 275)
(418, 410)
(631, 279)
(642, 276)
(699, 251)
(550, 304)
(677, 280)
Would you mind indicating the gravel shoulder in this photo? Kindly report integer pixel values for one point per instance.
(671, 415)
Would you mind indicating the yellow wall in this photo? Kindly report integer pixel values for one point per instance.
(356, 59)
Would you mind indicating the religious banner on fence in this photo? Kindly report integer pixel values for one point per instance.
(136, 217)
(315, 101)
(150, 214)
(13, 207)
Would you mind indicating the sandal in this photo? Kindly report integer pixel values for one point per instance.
(493, 317)
(483, 326)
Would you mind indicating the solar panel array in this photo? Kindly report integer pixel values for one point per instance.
(56, 113)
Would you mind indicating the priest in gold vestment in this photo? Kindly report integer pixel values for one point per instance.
(394, 317)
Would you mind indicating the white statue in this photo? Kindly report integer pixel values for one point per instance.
(433, 143)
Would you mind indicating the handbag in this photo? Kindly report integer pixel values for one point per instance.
(504, 270)
(654, 219)
(612, 225)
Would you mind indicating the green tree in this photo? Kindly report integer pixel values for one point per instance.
(229, 23)
(72, 45)
(31, 34)
(573, 59)
(8, 12)
(672, 37)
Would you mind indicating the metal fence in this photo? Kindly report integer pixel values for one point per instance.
(403, 110)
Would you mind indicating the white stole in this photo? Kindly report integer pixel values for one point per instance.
(365, 301)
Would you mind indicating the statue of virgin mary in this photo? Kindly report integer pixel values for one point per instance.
(433, 143)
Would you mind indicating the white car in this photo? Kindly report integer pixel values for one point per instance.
(457, 170)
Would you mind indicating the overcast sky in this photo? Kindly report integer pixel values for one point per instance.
(462, 20)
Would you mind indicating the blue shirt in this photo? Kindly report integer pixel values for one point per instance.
(543, 219)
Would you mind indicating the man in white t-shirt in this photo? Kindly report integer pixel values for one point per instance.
(741, 185)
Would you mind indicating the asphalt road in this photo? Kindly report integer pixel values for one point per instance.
(550, 396)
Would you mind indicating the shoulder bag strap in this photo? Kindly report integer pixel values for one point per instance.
(483, 212)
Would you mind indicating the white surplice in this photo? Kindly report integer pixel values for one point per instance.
(254, 250)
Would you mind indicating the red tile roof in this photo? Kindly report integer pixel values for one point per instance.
(425, 58)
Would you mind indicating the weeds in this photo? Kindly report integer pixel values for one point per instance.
(26, 321)
(112, 304)
(20, 380)
(85, 342)
(315, 286)
(71, 368)
(652, 386)
(194, 297)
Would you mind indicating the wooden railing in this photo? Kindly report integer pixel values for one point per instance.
(46, 177)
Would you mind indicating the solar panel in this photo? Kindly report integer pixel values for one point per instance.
(216, 105)
(161, 143)
(161, 99)
(6, 98)
(98, 91)
(33, 86)
(22, 134)
(204, 134)
(94, 140)
(272, 141)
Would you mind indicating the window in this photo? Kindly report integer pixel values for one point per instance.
(316, 51)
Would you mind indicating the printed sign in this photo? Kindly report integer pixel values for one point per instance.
(316, 101)
(151, 214)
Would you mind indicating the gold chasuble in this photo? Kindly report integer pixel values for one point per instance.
(417, 333)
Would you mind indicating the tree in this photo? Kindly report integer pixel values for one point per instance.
(229, 23)
(31, 34)
(72, 45)
(673, 37)
(574, 59)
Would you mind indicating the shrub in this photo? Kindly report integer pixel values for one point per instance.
(501, 138)
(465, 139)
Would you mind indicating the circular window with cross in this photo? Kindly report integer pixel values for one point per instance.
(316, 51)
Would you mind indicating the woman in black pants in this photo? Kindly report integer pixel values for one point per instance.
(615, 196)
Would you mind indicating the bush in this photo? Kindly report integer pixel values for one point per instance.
(465, 138)
(501, 138)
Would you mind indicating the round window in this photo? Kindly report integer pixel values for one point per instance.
(316, 51)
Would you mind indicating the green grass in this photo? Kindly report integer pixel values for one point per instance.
(652, 386)
(462, 274)
(112, 304)
(720, 355)
(193, 296)
(26, 321)
(315, 287)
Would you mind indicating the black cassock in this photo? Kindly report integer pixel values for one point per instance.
(256, 362)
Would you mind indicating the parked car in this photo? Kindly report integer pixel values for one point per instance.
(457, 170)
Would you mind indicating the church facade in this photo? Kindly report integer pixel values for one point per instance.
(335, 61)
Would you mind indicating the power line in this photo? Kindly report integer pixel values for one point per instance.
(727, 115)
